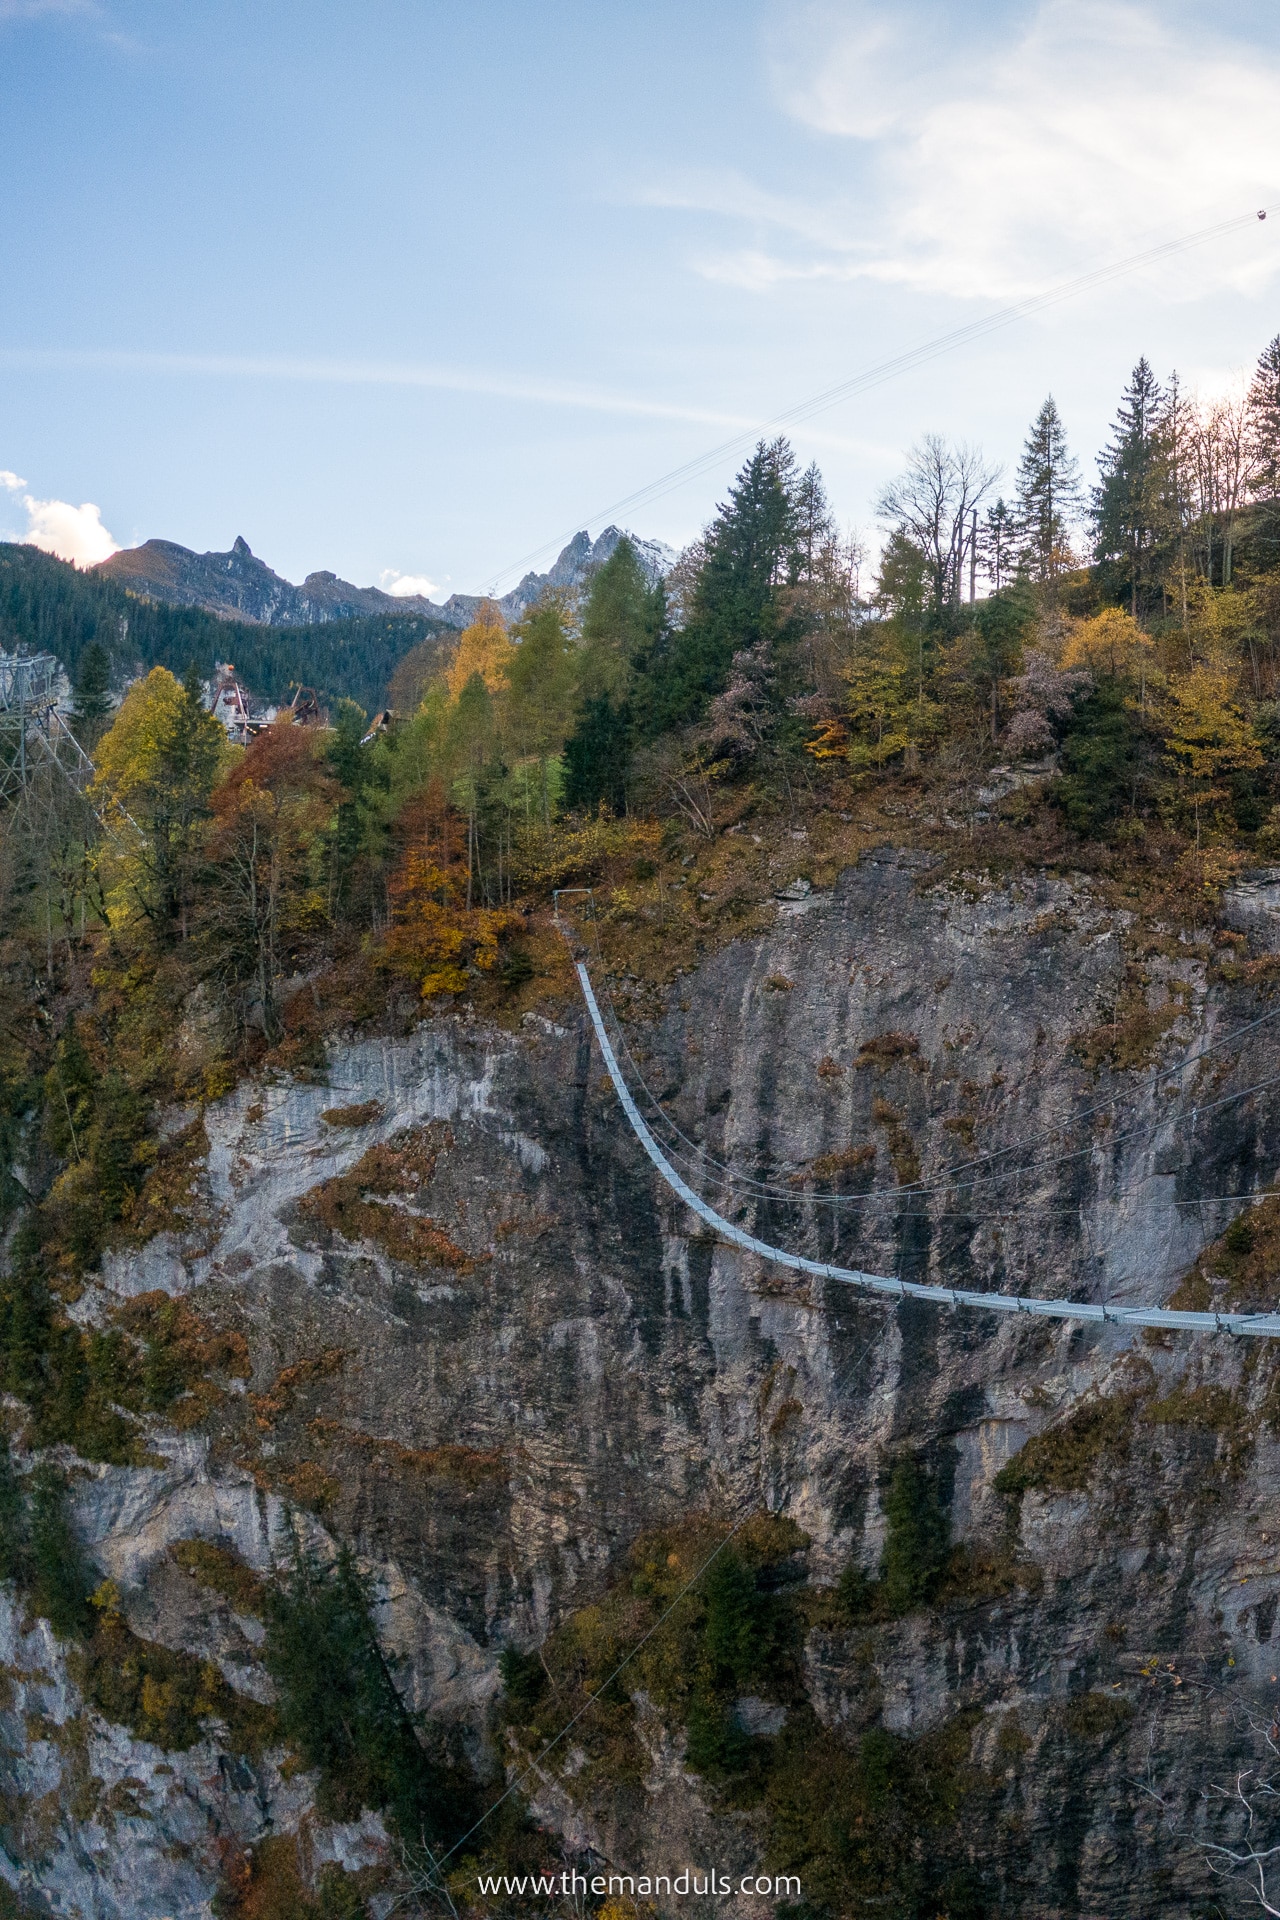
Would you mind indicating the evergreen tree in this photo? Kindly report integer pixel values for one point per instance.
(1264, 452)
(1129, 502)
(815, 527)
(340, 1707)
(93, 696)
(993, 647)
(738, 1631)
(999, 545)
(1264, 424)
(753, 553)
(1103, 761)
(1048, 490)
(622, 622)
(916, 1541)
(901, 583)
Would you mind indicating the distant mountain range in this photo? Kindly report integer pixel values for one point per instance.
(238, 586)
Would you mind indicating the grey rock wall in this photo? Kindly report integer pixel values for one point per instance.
(493, 1436)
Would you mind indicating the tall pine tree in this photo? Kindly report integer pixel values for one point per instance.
(93, 693)
(815, 527)
(998, 545)
(1048, 492)
(1264, 424)
(622, 623)
(1130, 500)
(753, 552)
(1264, 453)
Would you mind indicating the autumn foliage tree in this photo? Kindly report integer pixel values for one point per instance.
(156, 768)
(264, 896)
(435, 936)
(1209, 738)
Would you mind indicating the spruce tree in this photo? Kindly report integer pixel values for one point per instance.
(1264, 453)
(999, 545)
(1264, 424)
(1129, 502)
(622, 622)
(93, 695)
(815, 527)
(1048, 491)
(753, 552)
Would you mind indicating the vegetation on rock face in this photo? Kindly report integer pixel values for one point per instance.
(870, 1819)
(917, 1540)
(342, 1711)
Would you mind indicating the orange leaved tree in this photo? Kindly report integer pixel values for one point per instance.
(265, 898)
(435, 936)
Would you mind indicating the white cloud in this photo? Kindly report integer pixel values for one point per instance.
(998, 152)
(406, 584)
(72, 533)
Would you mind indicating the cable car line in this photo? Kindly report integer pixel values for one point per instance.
(884, 370)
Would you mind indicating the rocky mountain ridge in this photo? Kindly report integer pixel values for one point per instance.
(237, 585)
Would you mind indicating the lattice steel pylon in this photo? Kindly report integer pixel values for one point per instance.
(45, 815)
(34, 738)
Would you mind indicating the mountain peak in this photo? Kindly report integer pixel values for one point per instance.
(239, 586)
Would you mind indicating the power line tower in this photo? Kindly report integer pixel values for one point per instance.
(45, 815)
(35, 740)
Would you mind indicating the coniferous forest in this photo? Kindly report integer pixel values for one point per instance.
(48, 606)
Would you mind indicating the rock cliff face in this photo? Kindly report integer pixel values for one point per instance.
(498, 1377)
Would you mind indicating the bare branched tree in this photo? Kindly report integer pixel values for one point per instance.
(1255, 1795)
(934, 503)
(1220, 453)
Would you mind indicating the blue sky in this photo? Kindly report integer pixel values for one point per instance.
(408, 289)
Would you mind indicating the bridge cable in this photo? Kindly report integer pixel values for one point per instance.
(1263, 1325)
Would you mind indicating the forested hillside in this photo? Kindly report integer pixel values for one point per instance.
(1119, 673)
(1062, 700)
(45, 604)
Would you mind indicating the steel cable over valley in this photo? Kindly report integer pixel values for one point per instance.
(1265, 1325)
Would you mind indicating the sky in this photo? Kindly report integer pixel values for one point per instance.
(412, 291)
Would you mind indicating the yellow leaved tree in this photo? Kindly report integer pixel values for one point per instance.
(888, 711)
(1110, 646)
(157, 765)
(1206, 737)
(483, 648)
(436, 937)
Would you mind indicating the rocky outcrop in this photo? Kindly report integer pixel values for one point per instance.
(490, 1350)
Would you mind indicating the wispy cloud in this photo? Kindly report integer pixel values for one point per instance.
(994, 159)
(360, 373)
(38, 9)
(322, 371)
